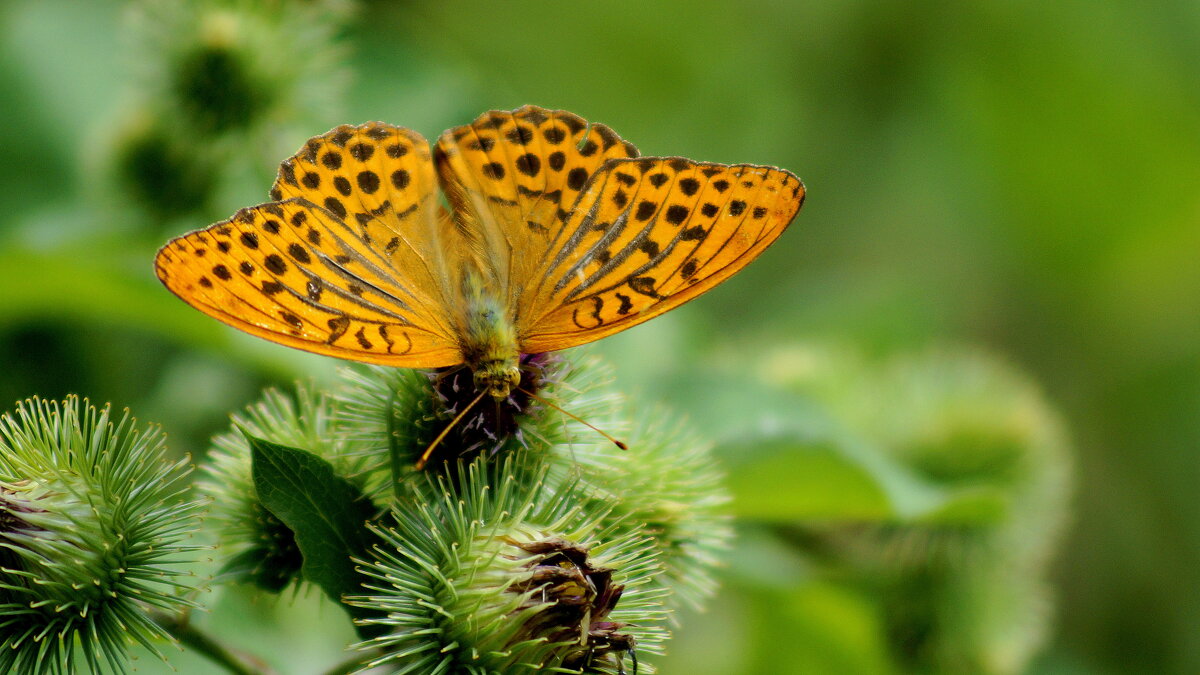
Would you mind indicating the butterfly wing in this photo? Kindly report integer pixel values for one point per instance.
(345, 263)
(647, 235)
(511, 178)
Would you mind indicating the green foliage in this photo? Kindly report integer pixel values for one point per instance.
(935, 484)
(216, 91)
(262, 548)
(159, 171)
(213, 76)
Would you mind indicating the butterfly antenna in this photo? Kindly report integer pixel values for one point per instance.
(575, 417)
(458, 418)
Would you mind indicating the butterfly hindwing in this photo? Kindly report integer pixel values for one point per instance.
(361, 173)
(646, 236)
(514, 176)
(296, 274)
(379, 180)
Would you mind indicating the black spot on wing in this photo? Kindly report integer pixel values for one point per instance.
(626, 303)
(644, 285)
(362, 151)
(274, 264)
(337, 327)
(368, 181)
(676, 214)
(299, 253)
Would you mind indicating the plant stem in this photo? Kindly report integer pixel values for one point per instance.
(233, 660)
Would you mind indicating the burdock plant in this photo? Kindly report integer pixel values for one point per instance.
(529, 543)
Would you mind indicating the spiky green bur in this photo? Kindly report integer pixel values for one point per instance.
(962, 591)
(93, 525)
(393, 414)
(666, 485)
(659, 501)
(257, 546)
(499, 572)
(389, 414)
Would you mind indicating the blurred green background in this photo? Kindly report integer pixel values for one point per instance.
(1018, 178)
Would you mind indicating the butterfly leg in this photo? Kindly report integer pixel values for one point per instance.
(444, 373)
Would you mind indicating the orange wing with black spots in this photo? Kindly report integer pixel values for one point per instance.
(379, 180)
(513, 177)
(648, 235)
(347, 264)
(574, 235)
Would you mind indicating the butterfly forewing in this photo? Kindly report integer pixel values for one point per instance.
(294, 273)
(515, 176)
(379, 180)
(648, 235)
(360, 173)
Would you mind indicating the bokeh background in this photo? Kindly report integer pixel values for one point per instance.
(1015, 181)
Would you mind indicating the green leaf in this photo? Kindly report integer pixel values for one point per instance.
(816, 628)
(326, 512)
(970, 506)
(793, 479)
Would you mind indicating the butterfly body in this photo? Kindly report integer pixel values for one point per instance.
(557, 234)
(489, 339)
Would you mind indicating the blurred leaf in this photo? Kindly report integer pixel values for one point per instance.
(792, 480)
(765, 561)
(969, 506)
(831, 629)
(97, 285)
(789, 479)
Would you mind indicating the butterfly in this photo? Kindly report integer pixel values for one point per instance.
(557, 233)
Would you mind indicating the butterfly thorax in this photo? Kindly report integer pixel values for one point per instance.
(489, 339)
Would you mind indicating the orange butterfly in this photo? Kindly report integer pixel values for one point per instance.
(558, 234)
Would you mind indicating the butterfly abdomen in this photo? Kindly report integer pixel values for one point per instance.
(489, 340)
